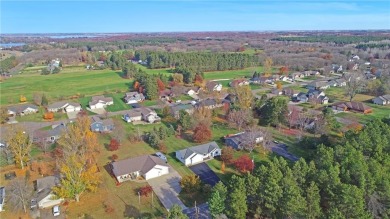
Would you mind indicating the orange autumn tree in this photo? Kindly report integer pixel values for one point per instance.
(160, 85)
(48, 116)
(283, 70)
(78, 146)
(202, 133)
(279, 85)
(136, 85)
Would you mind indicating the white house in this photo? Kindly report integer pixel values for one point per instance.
(64, 106)
(198, 154)
(139, 114)
(45, 197)
(100, 102)
(22, 109)
(146, 166)
(213, 86)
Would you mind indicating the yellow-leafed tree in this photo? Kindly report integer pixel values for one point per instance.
(279, 85)
(22, 99)
(20, 146)
(244, 96)
(78, 146)
(79, 177)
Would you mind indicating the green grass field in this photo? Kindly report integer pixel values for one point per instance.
(119, 104)
(69, 82)
(247, 72)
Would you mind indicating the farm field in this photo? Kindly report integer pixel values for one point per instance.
(63, 85)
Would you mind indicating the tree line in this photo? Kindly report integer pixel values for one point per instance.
(198, 61)
(333, 39)
(349, 180)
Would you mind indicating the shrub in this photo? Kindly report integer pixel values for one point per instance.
(244, 164)
(145, 190)
(114, 157)
(227, 155)
(114, 145)
(190, 183)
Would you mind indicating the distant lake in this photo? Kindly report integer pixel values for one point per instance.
(71, 36)
(9, 45)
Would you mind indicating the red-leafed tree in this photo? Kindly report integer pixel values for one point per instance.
(244, 164)
(160, 85)
(202, 133)
(114, 157)
(198, 80)
(114, 145)
(145, 190)
(283, 70)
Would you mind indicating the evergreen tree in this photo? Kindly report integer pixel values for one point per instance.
(216, 204)
(185, 119)
(176, 213)
(237, 198)
(313, 198)
(44, 100)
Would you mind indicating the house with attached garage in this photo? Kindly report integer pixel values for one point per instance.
(382, 100)
(101, 125)
(139, 114)
(198, 154)
(45, 198)
(317, 96)
(48, 136)
(175, 109)
(209, 103)
(352, 106)
(22, 109)
(238, 82)
(64, 106)
(213, 86)
(100, 102)
(239, 140)
(133, 97)
(147, 167)
(318, 85)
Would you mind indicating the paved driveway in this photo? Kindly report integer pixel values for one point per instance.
(99, 111)
(205, 174)
(281, 150)
(167, 189)
(72, 115)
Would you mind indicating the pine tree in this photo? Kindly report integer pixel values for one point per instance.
(216, 204)
(313, 198)
(237, 198)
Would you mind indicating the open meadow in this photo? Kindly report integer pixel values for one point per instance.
(68, 83)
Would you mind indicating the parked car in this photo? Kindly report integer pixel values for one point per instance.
(162, 156)
(276, 142)
(56, 211)
(33, 203)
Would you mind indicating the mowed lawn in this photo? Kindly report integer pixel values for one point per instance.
(247, 72)
(63, 85)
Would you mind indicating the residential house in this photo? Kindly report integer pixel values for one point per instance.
(175, 109)
(64, 106)
(133, 97)
(276, 91)
(209, 103)
(317, 96)
(55, 63)
(48, 136)
(22, 109)
(139, 114)
(45, 198)
(100, 102)
(289, 92)
(192, 90)
(297, 75)
(2, 198)
(382, 100)
(166, 94)
(352, 106)
(340, 82)
(337, 68)
(146, 166)
(99, 125)
(301, 97)
(284, 78)
(239, 140)
(198, 154)
(238, 82)
(309, 73)
(318, 85)
(213, 86)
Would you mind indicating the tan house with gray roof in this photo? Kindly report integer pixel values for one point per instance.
(146, 166)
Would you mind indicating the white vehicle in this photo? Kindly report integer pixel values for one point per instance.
(56, 211)
(178, 101)
(162, 156)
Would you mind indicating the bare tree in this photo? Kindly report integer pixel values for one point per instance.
(239, 118)
(253, 135)
(37, 98)
(21, 193)
(120, 132)
(355, 84)
(202, 115)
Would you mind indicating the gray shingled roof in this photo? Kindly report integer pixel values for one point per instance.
(21, 107)
(143, 164)
(96, 99)
(200, 149)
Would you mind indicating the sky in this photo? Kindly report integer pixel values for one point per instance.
(90, 16)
